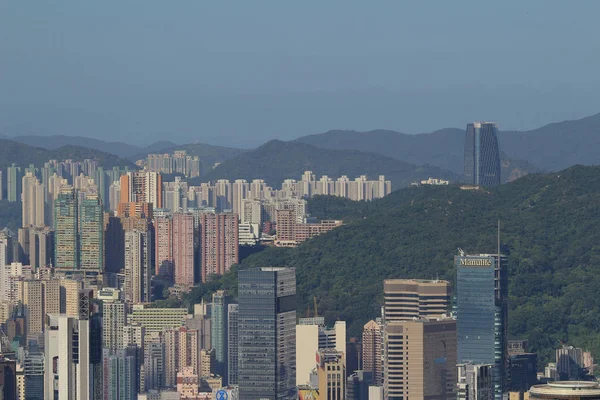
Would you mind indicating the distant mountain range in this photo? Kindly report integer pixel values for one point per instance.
(209, 154)
(277, 160)
(24, 155)
(556, 146)
(119, 149)
(443, 148)
(549, 148)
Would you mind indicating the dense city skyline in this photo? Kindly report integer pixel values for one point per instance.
(107, 271)
(216, 201)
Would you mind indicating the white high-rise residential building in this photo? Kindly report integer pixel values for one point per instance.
(153, 188)
(33, 201)
(251, 212)
(240, 190)
(68, 373)
(4, 248)
(114, 195)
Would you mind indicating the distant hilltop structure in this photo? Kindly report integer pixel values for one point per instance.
(432, 181)
(482, 155)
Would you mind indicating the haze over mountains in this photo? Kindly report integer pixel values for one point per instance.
(552, 147)
(549, 148)
(24, 155)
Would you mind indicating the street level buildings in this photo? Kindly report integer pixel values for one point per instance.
(475, 382)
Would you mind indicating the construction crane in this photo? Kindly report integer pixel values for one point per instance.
(315, 302)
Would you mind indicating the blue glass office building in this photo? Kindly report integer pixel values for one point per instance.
(482, 313)
(482, 155)
(267, 334)
(218, 332)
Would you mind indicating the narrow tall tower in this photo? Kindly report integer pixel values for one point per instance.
(482, 308)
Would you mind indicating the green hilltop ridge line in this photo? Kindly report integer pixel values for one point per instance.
(23, 155)
(276, 161)
(549, 229)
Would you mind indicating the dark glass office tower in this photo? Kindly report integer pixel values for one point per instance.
(267, 333)
(482, 313)
(482, 156)
(218, 332)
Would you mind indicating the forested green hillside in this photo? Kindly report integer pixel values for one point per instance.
(550, 229)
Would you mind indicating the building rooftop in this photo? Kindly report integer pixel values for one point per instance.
(564, 389)
(427, 281)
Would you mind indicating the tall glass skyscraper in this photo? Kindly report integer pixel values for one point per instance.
(218, 332)
(482, 313)
(267, 333)
(232, 344)
(66, 246)
(91, 234)
(482, 155)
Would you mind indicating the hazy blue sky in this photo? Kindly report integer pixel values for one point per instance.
(239, 73)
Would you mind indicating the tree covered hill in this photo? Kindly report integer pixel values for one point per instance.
(550, 230)
(277, 160)
(23, 155)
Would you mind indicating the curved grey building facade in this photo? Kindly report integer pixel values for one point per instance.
(482, 155)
